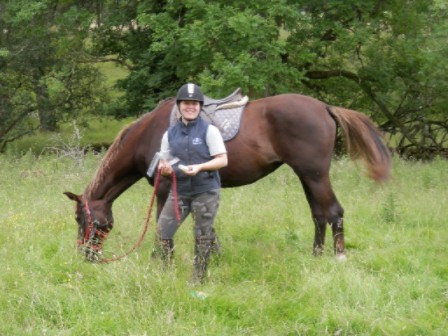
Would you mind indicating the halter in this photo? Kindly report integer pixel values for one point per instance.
(94, 237)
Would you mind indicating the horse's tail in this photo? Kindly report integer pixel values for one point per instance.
(364, 140)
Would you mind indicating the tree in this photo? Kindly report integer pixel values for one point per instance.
(16, 106)
(385, 58)
(219, 44)
(389, 60)
(43, 48)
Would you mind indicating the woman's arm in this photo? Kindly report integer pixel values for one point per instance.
(219, 161)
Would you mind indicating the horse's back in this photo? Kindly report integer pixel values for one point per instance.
(295, 107)
(288, 128)
(294, 117)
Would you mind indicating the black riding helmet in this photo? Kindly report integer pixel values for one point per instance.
(190, 91)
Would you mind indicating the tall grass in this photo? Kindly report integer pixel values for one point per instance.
(395, 281)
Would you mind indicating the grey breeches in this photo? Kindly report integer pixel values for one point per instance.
(203, 208)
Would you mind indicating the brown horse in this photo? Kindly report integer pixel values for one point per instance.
(289, 128)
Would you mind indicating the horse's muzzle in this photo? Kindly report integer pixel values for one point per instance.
(91, 253)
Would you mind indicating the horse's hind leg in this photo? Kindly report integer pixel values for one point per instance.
(325, 208)
(337, 226)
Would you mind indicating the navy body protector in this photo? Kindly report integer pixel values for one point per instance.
(188, 143)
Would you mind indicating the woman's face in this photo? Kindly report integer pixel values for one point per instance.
(189, 109)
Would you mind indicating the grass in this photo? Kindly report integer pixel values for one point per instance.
(395, 281)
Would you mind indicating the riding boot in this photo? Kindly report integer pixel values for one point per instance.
(167, 251)
(202, 249)
(157, 249)
(216, 247)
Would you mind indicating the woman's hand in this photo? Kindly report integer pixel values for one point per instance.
(219, 161)
(165, 167)
(191, 170)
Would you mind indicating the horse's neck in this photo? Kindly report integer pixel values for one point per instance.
(109, 188)
(115, 174)
(109, 183)
(118, 170)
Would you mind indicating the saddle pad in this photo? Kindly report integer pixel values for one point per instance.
(226, 120)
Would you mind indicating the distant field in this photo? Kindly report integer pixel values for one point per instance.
(113, 72)
(395, 281)
(99, 131)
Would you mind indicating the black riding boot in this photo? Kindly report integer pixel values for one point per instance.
(202, 249)
(216, 247)
(167, 250)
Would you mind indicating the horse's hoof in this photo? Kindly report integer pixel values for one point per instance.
(318, 251)
(341, 257)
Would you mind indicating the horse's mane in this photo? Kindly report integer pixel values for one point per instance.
(109, 157)
(112, 153)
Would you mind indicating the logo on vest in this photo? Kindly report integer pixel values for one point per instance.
(197, 141)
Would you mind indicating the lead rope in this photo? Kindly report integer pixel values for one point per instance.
(175, 196)
(148, 217)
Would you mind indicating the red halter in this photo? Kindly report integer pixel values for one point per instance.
(93, 236)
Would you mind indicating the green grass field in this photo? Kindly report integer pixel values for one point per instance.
(394, 282)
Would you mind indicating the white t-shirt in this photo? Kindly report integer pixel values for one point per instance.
(213, 139)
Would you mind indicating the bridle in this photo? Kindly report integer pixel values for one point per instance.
(94, 235)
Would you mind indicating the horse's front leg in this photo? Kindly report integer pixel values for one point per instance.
(162, 193)
(161, 196)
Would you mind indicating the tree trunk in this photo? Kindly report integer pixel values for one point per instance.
(46, 112)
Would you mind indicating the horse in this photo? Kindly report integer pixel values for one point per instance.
(292, 129)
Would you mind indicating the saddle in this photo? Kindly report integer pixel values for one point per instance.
(224, 113)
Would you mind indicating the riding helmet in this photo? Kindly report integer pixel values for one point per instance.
(190, 91)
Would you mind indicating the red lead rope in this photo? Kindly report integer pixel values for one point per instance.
(176, 201)
(148, 216)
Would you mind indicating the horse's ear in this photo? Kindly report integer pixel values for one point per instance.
(72, 196)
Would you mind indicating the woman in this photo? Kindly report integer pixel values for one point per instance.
(201, 152)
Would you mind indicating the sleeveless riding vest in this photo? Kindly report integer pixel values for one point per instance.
(188, 143)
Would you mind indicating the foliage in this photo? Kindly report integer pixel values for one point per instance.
(266, 283)
(381, 57)
(16, 106)
(48, 74)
